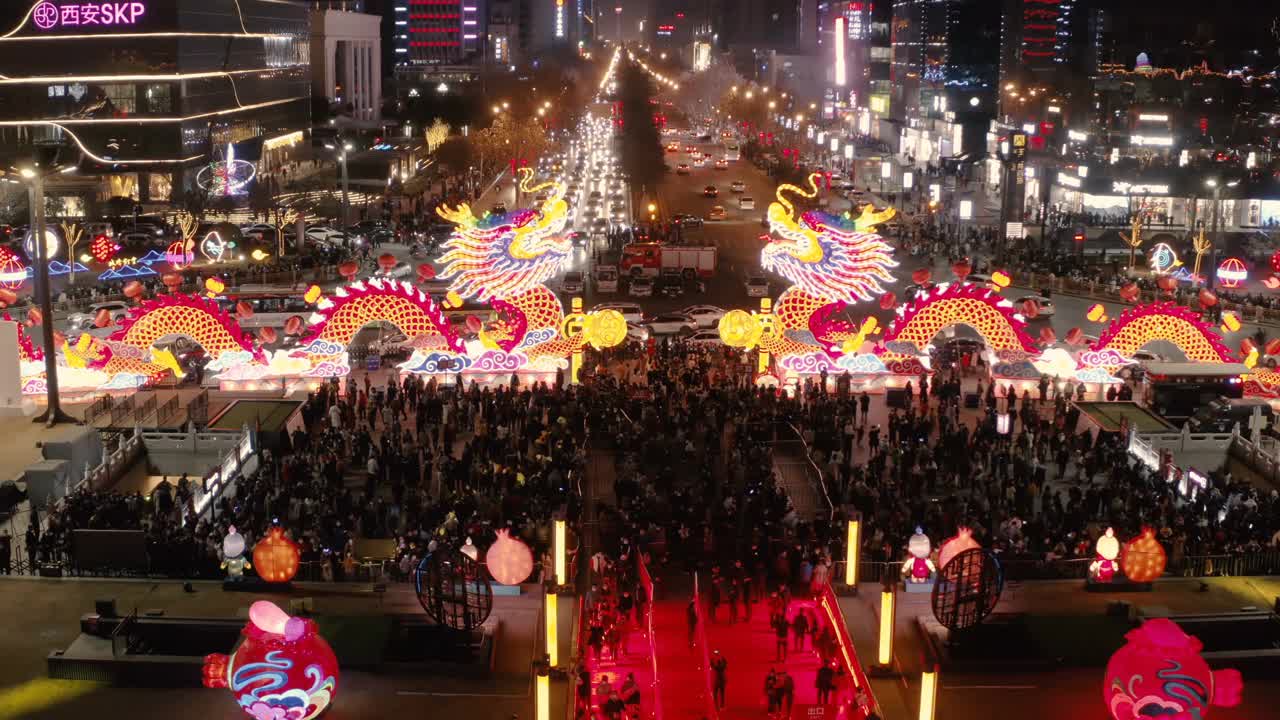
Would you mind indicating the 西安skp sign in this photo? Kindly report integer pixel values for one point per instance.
(49, 16)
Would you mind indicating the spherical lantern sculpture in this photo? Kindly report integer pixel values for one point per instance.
(1103, 567)
(953, 546)
(12, 272)
(276, 557)
(282, 670)
(968, 589)
(453, 589)
(179, 254)
(1159, 673)
(1232, 273)
(510, 561)
(1143, 559)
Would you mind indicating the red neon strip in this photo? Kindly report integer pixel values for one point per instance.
(434, 16)
(1039, 26)
(434, 30)
(434, 43)
(1038, 54)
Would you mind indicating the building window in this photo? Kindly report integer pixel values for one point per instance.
(123, 98)
(159, 101)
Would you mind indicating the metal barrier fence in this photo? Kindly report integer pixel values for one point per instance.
(700, 636)
(145, 410)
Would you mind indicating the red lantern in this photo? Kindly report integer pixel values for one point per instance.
(293, 325)
(1075, 336)
(34, 316)
(102, 318)
(267, 335)
(103, 248)
(276, 557)
(509, 561)
(1167, 283)
(1138, 684)
(1273, 347)
(1248, 347)
(1129, 292)
(287, 655)
(348, 269)
(386, 261)
(1275, 261)
(474, 324)
(921, 276)
(8, 297)
(1143, 559)
(173, 281)
(426, 272)
(1030, 308)
(1207, 298)
(244, 310)
(133, 289)
(1047, 336)
(59, 338)
(961, 268)
(888, 300)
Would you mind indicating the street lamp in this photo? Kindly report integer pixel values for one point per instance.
(45, 164)
(1216, 186)
(342, 160)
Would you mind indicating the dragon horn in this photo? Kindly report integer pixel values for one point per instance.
(870, 218)
(801, 192)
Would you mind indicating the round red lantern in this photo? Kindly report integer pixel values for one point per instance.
(276, 557)
(179, 254)
(348, 269)
(1273, 346)
(8, 297)
(12, 272)
(386, 261)
(474, 324)
(888, 300)
(921, 276)
(173, 281)
(426, 272)
(1248, 347)
(1143, 558)
(267, 335)
(1232, 273)
(102, 318)
(293, 325)
(1129, 292)
(1030, 308)
(1075, 336)
(133, 289)
(103, 248)
(961, 268)
(953, 546)
(1207, 298)
(244, 310)
(34, 316)
(1167, 283)
(1159, 672)
(1047, 336)
(283, 668)
(510, 561)
(1275, 261)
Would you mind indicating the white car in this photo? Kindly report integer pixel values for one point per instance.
(672, 324)
(630, 311)
(746, 203)
(1046, 305)
(705, 337)
(572, 282)
(707, 316)
(757, 286)
(258, 230)
(737, 186)
(325, 235)
(638, 333)
(85, 320)
(641, 287)
(401, 270)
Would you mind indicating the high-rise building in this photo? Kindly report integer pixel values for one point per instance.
(1052, 45)
(438, 32)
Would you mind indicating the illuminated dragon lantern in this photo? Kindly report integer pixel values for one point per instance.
(831, 261)
(506, 260)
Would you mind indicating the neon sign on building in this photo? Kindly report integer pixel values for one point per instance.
(559, 18)
(48, 16)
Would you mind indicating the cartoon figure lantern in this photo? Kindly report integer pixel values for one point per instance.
(918, 568)
(952, 547)
(1103, 567)
(510, 561)
(282, 669)
(1143, 560)
(233, 560)
(276, 556)
(1159, 673)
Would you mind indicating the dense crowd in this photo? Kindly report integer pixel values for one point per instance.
(426, 465)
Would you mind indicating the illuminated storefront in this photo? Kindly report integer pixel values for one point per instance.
(199, 79)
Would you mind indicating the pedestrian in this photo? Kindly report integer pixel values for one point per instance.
(799, 629)
(691, 619)
(719, 665)
(826, 682)
(788, 691)
(732, 592)
(780, 629)
(771, 691)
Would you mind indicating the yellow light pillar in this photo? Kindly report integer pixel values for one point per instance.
(887, 616)
(766, 313)
(552, 625)
(543, 695)
(928, 693)
(559, 550)
(852, 553)
(575, 362)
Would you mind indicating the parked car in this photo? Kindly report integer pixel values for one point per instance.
(689, 221)
(672, 324)
(717, 213)
(630, 311)
(710, 191)
(682, 169)
(746, 203)
(707, 316)
(83, 321)
(261, 231)
(637, 332)
(641, 287)
(757, 286)
(670, 283)
(572, 282)
(705, 337)
(737, 186)
(400, 270)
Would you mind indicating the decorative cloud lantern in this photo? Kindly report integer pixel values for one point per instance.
(1103, 567)
(1143, 559)
(510, 561)
(953, 546)
(276, 557)
(918, 568)
(282, 669)
(1159, 673)
(233, 560)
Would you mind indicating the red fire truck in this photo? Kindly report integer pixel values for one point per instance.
(649, 259)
